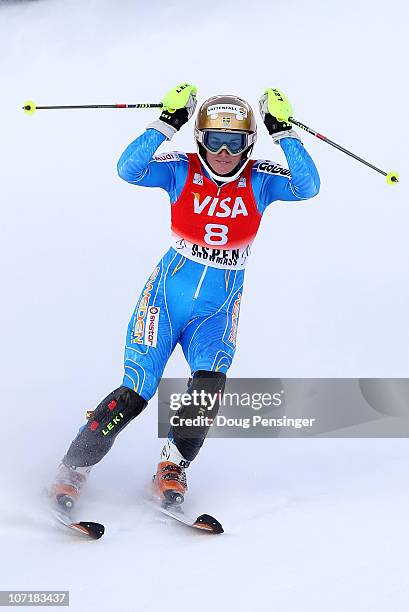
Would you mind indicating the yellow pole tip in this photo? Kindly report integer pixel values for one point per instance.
(29, 107)
(392, 178)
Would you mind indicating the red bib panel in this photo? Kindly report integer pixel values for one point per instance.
(216, 217)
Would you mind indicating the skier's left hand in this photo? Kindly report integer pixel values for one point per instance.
(179, 105)
(275, 110)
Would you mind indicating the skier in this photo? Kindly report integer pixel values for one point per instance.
(218, 196)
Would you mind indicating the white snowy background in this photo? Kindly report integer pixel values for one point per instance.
(311, 525)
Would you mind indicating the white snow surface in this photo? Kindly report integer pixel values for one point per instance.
(311, 525)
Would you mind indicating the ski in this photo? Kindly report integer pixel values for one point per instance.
(62, 517)
(93, 531)
(204, 522)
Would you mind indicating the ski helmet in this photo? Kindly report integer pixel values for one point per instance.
(229, 115)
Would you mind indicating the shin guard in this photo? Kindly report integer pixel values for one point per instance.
(203, 384)
(97, 436)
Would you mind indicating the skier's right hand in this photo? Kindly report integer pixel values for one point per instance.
(179, 104)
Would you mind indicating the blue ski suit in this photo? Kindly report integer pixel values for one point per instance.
(193, 295)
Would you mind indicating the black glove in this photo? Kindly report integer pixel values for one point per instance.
(178, 107)
(274, 126)
(176, 119)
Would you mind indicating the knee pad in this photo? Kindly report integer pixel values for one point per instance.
(203, 383)
(97, 436)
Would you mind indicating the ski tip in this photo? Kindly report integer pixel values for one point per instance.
(93, 530)
(208, 523)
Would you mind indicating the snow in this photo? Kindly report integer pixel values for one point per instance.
(311, 524)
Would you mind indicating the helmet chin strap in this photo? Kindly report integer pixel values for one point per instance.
(219, 177)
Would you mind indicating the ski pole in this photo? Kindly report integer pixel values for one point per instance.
(30, 107)
(391, 177)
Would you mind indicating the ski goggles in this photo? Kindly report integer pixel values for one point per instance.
(235, 142)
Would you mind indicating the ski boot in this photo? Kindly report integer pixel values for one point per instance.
(67, 486)
(169, 483)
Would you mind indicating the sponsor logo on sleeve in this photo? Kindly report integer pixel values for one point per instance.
(166, 157)
(270, 168)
